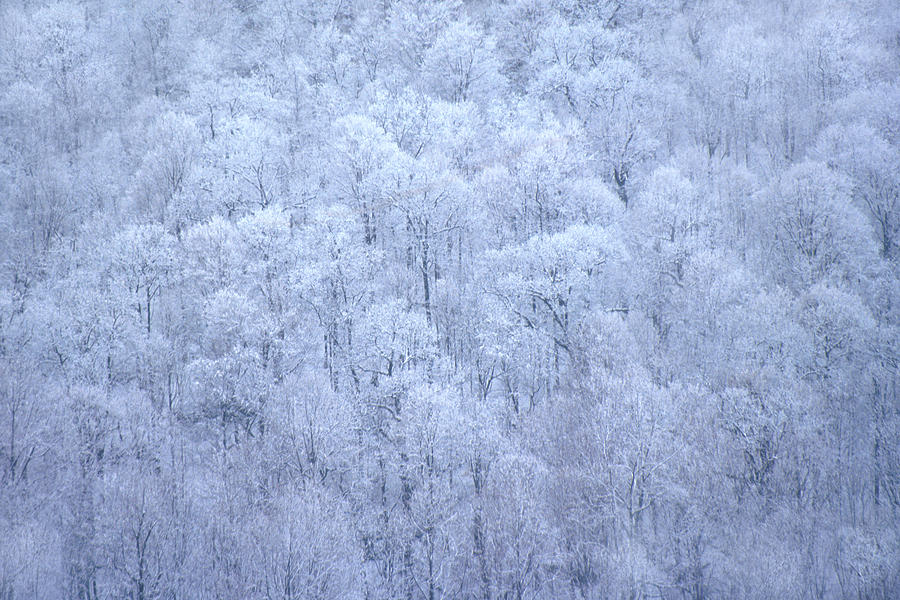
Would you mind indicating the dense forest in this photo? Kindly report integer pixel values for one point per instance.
(433, 300)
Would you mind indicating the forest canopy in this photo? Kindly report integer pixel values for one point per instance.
(419, 299)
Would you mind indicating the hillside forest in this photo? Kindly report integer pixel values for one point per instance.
(436, 300)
